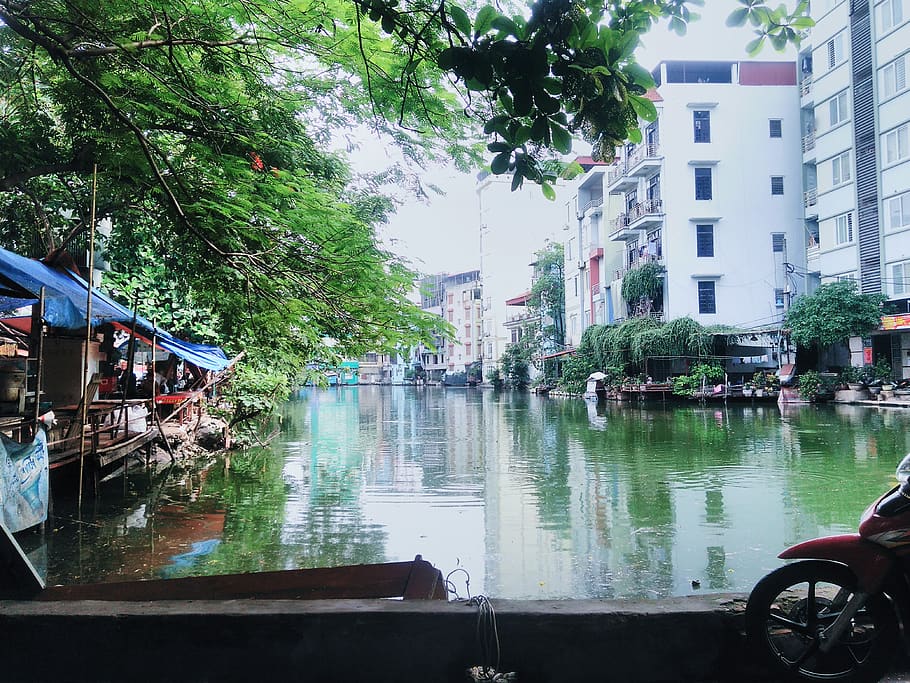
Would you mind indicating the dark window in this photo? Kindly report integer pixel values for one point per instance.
(777, 184)
(777, 241)
(703, 183)
(779, 298)
(631, 200)
(774, 128)
(704, 240)
(706, 300)
(701, 120)
(654, 187)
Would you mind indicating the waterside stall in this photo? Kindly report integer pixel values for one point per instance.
(64, 355)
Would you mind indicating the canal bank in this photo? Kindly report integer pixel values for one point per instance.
(690, 639)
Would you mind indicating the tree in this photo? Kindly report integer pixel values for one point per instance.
(515, 364)
(832, 314)
(199, 129)
(548, 298)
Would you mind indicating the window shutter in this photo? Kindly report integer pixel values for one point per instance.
(900, 74)
(832, 55)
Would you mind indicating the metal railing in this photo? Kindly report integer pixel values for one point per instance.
(809, 141)
(805, 87)
(810, 197)
(616, 171)
(642, 152)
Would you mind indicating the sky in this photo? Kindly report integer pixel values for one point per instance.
(440, 235)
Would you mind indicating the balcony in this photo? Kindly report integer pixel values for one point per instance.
(810, 199)
(809, 142)
(618, 180)
(645, 160)
(805, 86)
(593, 207)
(645, 215)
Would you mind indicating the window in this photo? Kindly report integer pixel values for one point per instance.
(704, 241)
(706, 300)
(894, 77)
(843, 229)
(898, 211)
(654, 187)
(900, 278)
(778, 242)
(775, 129)
(838, 110)
(835, 50)
(897, 144)
(703, 188)
(779, 298)
(777, 185)
(840, 169)
(701, 120)
(890, 14)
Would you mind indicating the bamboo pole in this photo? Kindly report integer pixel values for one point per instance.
(157, 422)
(88, 333)
(130, 357)
(38, 341)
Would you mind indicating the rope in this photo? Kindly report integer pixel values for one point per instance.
(486, 631)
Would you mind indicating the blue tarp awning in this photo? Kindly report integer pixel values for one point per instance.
(65, 302)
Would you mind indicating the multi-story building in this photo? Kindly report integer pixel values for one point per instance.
(713, 194)
(856, 158)
(457, 300)
(513, 227)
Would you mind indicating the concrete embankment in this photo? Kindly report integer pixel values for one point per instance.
(680, 639)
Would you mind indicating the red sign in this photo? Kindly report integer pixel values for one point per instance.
(867, 356)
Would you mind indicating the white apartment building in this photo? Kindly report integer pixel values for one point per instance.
(856, 159)
(457, 300)
(513, 227)
(713, 194)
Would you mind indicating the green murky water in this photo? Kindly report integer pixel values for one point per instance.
(532, 497)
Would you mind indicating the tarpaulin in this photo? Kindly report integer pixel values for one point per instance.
(65, 303)
(23, 482)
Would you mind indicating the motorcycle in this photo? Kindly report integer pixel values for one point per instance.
(837, 613)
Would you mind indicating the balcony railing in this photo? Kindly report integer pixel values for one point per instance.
(642, 152)
(594, 202)
(810, 197)
(645, 208)
(616, 171)
(809, 142)
(805, 87)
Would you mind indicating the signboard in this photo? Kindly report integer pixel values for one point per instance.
(23, 482)
(896, 322)
(867, 355)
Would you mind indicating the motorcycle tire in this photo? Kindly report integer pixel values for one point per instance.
(789, 608)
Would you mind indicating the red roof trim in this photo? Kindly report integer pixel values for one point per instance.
(519, 300)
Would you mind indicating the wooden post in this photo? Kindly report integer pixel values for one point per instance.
(36, 344)
(88, 333)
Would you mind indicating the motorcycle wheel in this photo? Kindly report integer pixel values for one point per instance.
(790, 607)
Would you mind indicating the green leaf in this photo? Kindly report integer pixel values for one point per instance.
(460, 19)
(755, 46)
(505, 25)
(643, 107)
(548, 191)
(562, 138)
(499, 147)
(484, 20)
(517, 180)
(738, 17)
(500, 163)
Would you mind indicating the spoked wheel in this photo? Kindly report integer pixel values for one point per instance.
(790, 608)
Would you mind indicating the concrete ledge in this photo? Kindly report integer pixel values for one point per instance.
(693, 639)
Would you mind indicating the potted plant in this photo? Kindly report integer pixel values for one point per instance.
(881, 371)
(748, 389)
(852, 376)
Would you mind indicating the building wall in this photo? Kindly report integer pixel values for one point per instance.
(742, 157)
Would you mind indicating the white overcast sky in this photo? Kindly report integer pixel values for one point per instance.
(440, 235)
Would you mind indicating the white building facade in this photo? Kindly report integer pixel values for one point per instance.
(856, 152)
(713, 194)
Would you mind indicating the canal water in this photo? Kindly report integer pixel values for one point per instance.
(515, 495)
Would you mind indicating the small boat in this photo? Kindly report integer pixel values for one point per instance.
(414, 580)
